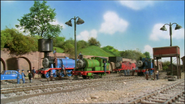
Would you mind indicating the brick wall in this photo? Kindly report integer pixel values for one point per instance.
(25, 61)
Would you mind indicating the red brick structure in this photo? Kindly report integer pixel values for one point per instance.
(172, 51)
(25, 61)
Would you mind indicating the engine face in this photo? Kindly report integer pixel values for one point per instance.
(45, 62)
(80, 64)
(145, 63)
(118, 65)
(140, 63)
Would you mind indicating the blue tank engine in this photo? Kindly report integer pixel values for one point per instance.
(143, 64)
(54, 67)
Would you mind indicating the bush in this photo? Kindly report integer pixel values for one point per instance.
(17, 42)
(58, 41)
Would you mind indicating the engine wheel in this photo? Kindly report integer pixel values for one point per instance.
(69, 73)
(84, 77)
(140, 73)
(47, 75)
(42, 76)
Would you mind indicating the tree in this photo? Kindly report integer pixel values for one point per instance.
(39, 21)
(58, 41)
(165, 65)
(131, 54)
(3, 40)
(17, 42)
(93, 41)
(147, 54)
(81, 44)
(68, 48)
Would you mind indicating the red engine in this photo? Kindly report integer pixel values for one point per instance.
(118, 65)
(126, 65)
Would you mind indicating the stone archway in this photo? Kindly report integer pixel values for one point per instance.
(4, 65)
(23, 65)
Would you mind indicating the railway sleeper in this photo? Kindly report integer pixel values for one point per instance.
(158, 101)
(174, 98)
(162, 98)
(165, 95)
(7, 92)
(27, 92)
(19, 93)
(23, 89)
(179, 103)
(147, 102)
(181, 100)
(170, 90)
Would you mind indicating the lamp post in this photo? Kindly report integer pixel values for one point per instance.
(170, 28)
(79, 21)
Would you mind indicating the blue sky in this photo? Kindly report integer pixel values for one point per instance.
(123, 24)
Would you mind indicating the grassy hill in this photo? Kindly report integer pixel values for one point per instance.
(113, 53)
(91, 50)
(95, 51)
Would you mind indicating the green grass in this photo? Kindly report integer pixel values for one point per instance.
(59, 50)
(94, 51)
(113, 53)
(91, 50)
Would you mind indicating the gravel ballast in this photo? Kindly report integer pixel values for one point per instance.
(108, 92)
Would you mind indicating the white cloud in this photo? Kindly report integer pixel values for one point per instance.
(56, 22)
(21, 30)
(137, 5)
(113, 23)
(148, 48)
(178, 34)
(86, 35)
(158, 34)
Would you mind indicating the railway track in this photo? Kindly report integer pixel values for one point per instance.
(54, 85)
(170, 94)
(43, 81)
(26, 92)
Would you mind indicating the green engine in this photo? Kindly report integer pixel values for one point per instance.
(94, 64)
